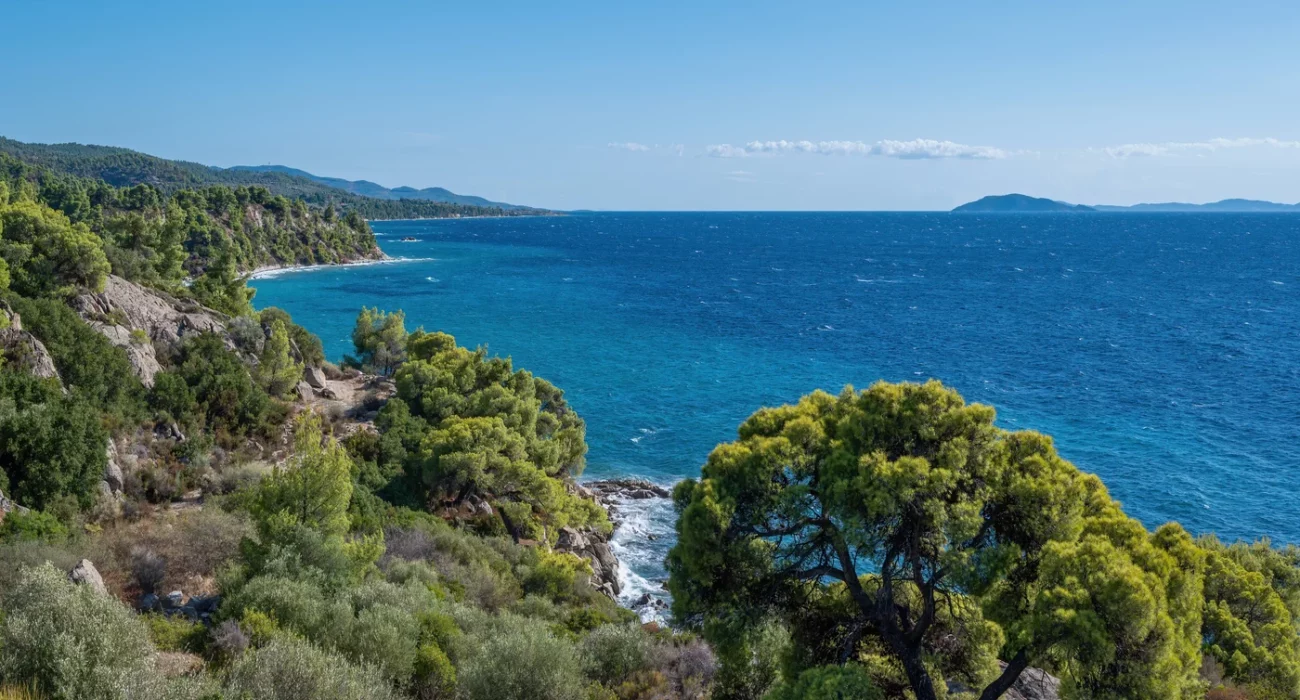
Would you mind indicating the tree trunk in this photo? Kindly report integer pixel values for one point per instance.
(1003, 683)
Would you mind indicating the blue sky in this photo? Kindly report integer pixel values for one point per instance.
(668, 105)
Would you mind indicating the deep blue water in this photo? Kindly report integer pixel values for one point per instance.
(1159, 349)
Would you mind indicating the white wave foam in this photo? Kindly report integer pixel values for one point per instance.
(273, 272)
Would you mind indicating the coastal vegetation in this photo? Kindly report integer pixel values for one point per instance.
(196, 504)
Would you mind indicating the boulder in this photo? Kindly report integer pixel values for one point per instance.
(113, 470)
(315, 377)
(149, 603)
(570, 540)
(7, 506)
(24, 350)
(124, 307)
(85, 574)
(304, 392)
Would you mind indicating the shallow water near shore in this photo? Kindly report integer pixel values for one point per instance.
(1159, 349)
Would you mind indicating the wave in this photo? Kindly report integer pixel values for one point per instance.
(270, 272)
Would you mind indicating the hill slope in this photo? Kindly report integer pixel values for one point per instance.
(366, 188)
(123, 167)
(1018, 203)
(1223, 205)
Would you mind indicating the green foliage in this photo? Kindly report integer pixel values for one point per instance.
(312, 489)
(613, 653)
(277, 371)
(32, 525)
(435, 676)
(541, 666)
(210, 386)
(850, 682)
(306, 346)
(92, 368)
(872, 512)
(52, 446)
(555, 575)
(293, 669)
(380, 340)
(71, 643)
(221, 287)
(176, 633)
(1250, 615)
(496, 432)
(46, 254)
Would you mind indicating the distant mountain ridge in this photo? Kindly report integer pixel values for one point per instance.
(1025, 203)
(123, 167)
(366, 188)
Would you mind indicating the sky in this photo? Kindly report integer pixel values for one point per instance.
(685, 106)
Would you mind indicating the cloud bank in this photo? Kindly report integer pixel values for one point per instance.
(916, 149)
(1169, 148)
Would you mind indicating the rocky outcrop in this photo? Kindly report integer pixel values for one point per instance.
(594, 547)
(7, 506)
(85, 574)
(112, 470)
(134, 319)
(22, 349)
(315, 378)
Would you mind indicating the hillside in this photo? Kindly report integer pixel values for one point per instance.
(122, 167)
(1235, 206)
(1018, 203)
(367, 188)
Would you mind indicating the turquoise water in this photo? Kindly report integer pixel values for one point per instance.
(1159, 349)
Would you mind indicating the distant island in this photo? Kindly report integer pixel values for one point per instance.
(1018, 203)
(1021, 203)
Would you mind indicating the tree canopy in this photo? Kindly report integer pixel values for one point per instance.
(886, 517)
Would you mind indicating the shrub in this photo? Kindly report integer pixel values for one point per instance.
(176, 633)
(51, 445)
(540, 666)
(293, 669)
(612, 653)
(829, 683)
(32, 525)
(147, 569)
(435, 677)
(70, 642)
(229, 640)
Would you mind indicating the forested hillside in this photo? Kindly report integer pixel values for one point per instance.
(122, 167)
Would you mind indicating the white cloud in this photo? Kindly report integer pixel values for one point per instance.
(915, 149)
(629, 146)
(1169, 148)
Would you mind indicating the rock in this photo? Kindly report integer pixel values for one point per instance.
(7, 506)
(85, 574)
(148, 602)
(113, 470)
(628, 488)
(315, 377)
(1033, 684)
(304, 392)
(570, 540)
(124, 306)
(206, 605)
(22, 349)
(174, 599)
(328, 393)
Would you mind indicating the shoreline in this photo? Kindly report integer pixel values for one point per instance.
(463, 218)
(272, 271)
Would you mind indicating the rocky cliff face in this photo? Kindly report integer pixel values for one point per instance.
(23, 349)
(124, 308)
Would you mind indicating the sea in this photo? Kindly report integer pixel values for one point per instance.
(1162, 351)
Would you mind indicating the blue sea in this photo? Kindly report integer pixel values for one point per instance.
(1161, 350)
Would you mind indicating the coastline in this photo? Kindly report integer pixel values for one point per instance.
(269, 271)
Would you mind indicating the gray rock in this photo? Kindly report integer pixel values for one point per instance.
(174, 599)
(8, 506)
(113, 470)
(149, 602)
(206, 604)
(304, 392)
(22, 349)
(1033, 684)
(315, 377)
(85, 574)
(570, 540)
(328, 393)
(124, 306)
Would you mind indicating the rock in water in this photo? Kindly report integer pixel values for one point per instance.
(85, 574)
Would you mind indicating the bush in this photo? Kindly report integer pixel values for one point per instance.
(32, 525)
(293, 669)
(519, 659)
(147, 569)
(435, 677)
(176, 633)
(829, 683)
(51, 445)
(68, 641)
(612, 653)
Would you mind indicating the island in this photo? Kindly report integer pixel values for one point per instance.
(1018, 203)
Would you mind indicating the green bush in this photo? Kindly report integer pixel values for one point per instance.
(519, 659)
(72, 643)
(224, 394)
(612, 653)
(32, 525)
(828, 683)
(435, 677)
(294, 669)
(51, 445)
(176, 633)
